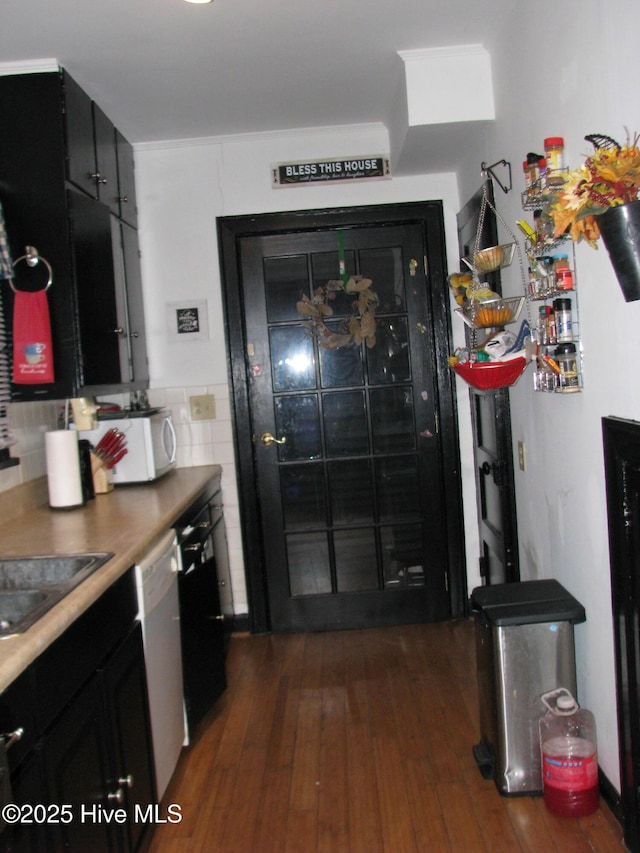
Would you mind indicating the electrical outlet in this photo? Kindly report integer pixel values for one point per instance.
(202, 407)
(522, 460)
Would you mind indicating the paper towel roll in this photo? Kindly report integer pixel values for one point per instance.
(63, 469)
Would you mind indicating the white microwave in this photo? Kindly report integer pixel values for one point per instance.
(150, 441)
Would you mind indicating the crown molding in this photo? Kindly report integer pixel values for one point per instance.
(261, 136)
(29, 66)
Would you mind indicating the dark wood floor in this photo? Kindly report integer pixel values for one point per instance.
(355, 741)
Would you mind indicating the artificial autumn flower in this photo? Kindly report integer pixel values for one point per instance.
(609, 177)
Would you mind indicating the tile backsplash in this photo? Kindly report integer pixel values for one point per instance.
(202, 442)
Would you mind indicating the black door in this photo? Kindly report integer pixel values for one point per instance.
(350, 472)
(491, 423)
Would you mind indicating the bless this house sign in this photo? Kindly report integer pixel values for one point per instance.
(325, 171)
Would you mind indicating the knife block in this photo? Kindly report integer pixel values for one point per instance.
(102, 476)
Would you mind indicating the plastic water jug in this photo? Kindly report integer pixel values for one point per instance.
(569, 756)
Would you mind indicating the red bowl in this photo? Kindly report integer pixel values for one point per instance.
(486, 375)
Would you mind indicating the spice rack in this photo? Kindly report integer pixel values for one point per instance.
(552, 288)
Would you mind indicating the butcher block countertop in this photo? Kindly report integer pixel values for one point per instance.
(125, 521)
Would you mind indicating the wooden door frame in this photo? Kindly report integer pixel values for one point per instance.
(231, 230)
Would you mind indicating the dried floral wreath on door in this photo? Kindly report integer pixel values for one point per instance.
(361, 326)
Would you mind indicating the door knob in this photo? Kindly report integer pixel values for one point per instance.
(497, 469)
(266, 438)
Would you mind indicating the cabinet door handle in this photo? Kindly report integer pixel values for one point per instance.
(124, 199)
(127, 780)
(10, 738)
(117, 797)
(118, 331)
(135, 334)
(97, 177)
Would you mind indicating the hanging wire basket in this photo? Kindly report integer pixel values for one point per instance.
(491, 313)
(492, 258)
(479, 314)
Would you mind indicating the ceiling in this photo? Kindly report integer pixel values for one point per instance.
(166, 69)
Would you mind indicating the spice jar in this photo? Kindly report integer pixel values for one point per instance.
(568, 363)
(564, 325)
(554, 153)
(544, 227)
(563, 273)
(563, 319)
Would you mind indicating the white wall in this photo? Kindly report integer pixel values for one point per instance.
(574, 72)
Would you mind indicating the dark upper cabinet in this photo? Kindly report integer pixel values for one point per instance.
(126, 181)
(129, 305)
(80, 147)
(59, 190)
(90, 136)
(93, 261)
(104, 135)
(135, 305)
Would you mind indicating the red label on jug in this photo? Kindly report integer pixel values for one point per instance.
(570, 772)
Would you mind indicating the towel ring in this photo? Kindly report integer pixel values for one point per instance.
(32, 259)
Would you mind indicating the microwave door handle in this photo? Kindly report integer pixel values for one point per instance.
(170, 446)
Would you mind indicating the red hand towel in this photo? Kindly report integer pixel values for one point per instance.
(32, 351)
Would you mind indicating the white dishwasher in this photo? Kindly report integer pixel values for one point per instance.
(157, 581)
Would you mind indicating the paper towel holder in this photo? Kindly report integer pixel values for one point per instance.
(32, 258)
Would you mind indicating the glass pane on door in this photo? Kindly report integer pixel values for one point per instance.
(298, 422)
(303, 499)
(308, 561)
(385, 265)
(351, 492)
(398, 488)
(356, 562)
(388, 360)
(292, 359)
(402, 559)
(285, 280)
(346, 429)
(392, 420)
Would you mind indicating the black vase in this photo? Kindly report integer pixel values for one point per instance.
(620, 230)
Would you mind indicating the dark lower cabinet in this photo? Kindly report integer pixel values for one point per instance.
(27, 786)
(78, 768)
(90, 764)
(124, 686)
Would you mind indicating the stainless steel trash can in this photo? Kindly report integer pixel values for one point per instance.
(524, 648)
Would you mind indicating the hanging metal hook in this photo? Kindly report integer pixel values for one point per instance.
(32, 258)
(488, 170)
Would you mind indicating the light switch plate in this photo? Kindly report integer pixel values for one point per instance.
(202, 407)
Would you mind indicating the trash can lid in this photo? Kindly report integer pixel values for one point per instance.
(525, 603)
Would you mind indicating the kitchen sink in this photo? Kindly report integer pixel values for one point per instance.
(30, 586)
